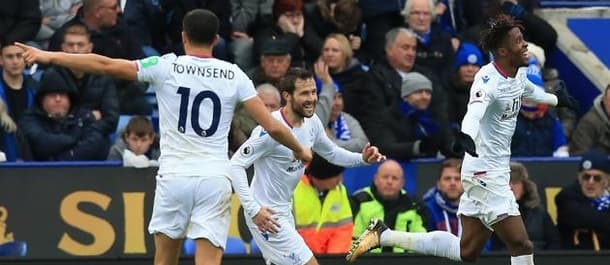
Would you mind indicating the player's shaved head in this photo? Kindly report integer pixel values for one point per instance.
(200, 26)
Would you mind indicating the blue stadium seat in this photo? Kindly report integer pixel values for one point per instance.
(254, 250)
(234, 246)
(123, 120)
(14, 249)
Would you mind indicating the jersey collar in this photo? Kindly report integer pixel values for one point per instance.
(286, 119)
(500, 70)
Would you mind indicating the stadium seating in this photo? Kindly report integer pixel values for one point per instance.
(234, 246)
(14, 249)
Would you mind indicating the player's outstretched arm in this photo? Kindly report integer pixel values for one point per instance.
(89, 63)
(275, 129)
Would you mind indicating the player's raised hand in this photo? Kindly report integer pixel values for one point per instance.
(306, 155)
(370, 154)
(265, 221)
(32, 55)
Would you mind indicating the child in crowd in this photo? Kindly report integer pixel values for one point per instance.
(138, 145)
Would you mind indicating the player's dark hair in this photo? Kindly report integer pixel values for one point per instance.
(201, 26)
(287, 82)
(494, 36)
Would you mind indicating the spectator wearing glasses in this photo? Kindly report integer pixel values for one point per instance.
(583, 208)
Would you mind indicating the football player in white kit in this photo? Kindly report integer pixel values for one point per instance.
(276, 172)
(487, 204)
(197, 95)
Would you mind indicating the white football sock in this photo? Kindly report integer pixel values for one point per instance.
(522, 260)
(436, 243)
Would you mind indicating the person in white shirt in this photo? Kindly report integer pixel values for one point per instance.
(487, 204)
(197, 95)
(267, 202)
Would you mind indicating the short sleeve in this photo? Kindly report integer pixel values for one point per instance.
(259, 144)
(481, 90)
(245, 87)
(155, 69)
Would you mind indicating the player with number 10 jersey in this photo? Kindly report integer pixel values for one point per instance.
(196, 98)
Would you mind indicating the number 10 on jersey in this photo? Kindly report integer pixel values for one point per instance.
(185, 93)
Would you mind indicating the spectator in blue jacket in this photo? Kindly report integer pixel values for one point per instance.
(442, 201)
(17, 93)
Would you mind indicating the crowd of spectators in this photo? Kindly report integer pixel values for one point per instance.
(395, 73)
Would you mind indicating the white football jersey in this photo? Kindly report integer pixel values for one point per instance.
(276, 171)
(196, 98)
(495, 98)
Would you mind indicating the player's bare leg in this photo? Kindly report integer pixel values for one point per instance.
(513, 233)
(206, 253)
(474, 237)
(167, 250)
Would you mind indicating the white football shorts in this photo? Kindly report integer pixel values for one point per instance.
(200, 203)
(285, 247)
(488, 197)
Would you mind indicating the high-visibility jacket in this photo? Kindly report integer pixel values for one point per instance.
(326, 226)
(409, 218)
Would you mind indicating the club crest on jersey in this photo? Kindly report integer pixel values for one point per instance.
(485, 79)
(247, 150)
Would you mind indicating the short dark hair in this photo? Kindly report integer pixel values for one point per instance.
(201, 26)
(494, 36)
(287, 82)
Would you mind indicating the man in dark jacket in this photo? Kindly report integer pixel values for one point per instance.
(57, 129)
(96, 92)
(385, 80)
(583, 208)
(109, 34)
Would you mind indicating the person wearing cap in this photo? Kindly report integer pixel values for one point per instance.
(468, 62)
(58, 129)
(540, 228)
(538, 132)
(274, 63)
(322, 210)
(583, 208)
(593, 129)
(410, 131)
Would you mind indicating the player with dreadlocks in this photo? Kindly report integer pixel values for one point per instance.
(487, 204)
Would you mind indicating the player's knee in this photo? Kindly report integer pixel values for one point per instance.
(469, 254)
(521, 247)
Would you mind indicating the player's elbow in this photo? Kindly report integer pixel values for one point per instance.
(274, 129)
